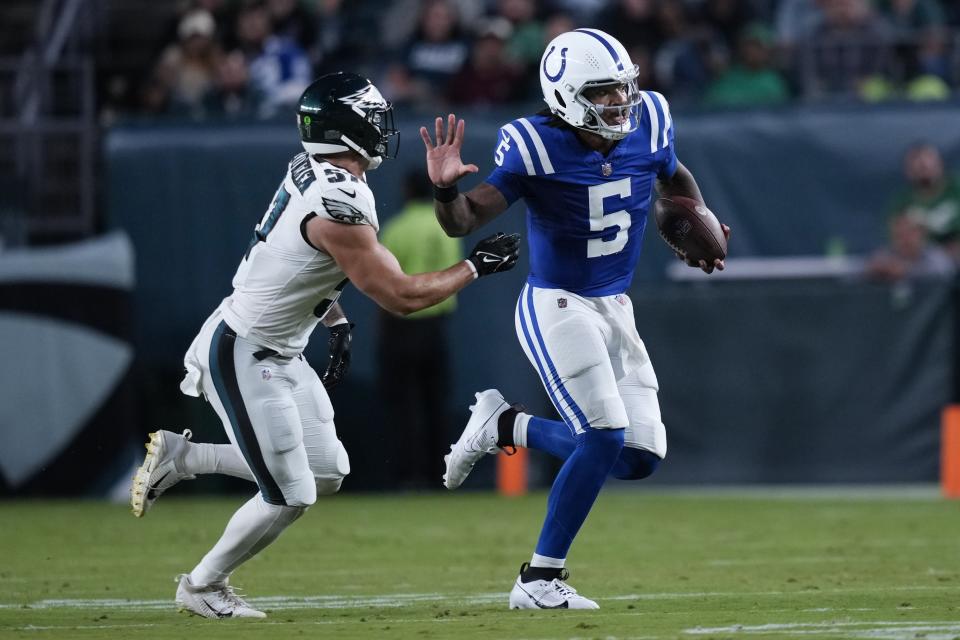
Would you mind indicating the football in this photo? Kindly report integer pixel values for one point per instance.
(690, 228)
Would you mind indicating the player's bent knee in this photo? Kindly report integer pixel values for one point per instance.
(635, 464)
(647, 431)
(328, 486)
(304, 495)
(329, 482)
(291, 513)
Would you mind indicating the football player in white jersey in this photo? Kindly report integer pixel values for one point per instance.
(319, 231)
(586, 168)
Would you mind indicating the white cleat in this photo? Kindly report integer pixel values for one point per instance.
(161, 469)
(218, 600)
(547, 594)
(478, 439)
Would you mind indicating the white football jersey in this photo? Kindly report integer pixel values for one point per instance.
(284, 285)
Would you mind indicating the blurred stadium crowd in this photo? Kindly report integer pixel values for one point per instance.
(243, 58)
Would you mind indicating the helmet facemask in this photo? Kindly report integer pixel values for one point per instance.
(389, 143)
(613, 122)
(383, 140)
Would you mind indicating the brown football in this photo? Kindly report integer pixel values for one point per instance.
(690, 228)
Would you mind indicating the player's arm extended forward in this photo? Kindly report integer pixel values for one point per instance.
(470, 210)
(376, 272)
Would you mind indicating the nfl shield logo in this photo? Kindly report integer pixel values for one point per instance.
(606, 169)
(562, 303)
(265, 374)
(619, 298)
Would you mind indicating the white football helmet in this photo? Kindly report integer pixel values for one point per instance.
(579, 60)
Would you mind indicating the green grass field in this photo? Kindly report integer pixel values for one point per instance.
(661, 564)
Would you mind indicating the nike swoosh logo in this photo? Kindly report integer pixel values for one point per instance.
(489, 257)
(563, 605)
(220, 613)
(151, 494)
(351, 194)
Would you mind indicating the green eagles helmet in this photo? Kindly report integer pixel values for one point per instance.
(342, 111)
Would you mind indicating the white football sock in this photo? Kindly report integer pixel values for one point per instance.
(203, 457)
(520, 429)
(255, 525)
(546, 562)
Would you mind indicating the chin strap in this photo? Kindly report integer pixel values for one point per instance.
(373, 161)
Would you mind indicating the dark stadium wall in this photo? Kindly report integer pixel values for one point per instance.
(752, 389)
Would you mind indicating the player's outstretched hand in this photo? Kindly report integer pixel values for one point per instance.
(719, 265)
(339, 344)
(497, 253)
(444, 165)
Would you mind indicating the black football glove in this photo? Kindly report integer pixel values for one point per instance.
(495, 254)
(339, 345)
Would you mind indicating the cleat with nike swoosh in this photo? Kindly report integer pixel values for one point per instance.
(478, 439)
(161, 469)
(547, 594)
(218, 600)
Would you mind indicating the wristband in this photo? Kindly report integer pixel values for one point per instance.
(473, 267)
(338, 323)
(445, 194)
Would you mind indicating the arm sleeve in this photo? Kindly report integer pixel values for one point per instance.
(507, 177)
(508, 184)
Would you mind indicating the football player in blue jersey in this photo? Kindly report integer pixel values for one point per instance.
(587, 169)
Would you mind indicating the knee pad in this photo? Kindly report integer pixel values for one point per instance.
(303, 496)
(328, 486)
(635, 464)
(328, 482)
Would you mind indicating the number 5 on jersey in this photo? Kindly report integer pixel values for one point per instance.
(596, 194)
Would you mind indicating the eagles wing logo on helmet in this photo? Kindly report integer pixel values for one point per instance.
(365, 98)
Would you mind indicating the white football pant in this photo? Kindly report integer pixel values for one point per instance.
(592, 363)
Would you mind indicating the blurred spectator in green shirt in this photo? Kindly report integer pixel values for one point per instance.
(414, 359)
(909, 254)
(931, 195)
(751, 80)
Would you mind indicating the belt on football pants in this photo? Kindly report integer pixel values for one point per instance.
(263, 353)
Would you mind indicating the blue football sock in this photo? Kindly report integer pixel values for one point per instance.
(552, 436)
(576, 488)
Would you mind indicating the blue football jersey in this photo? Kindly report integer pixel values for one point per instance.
(586, 212)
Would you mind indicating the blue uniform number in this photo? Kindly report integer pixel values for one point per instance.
(599, 221)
